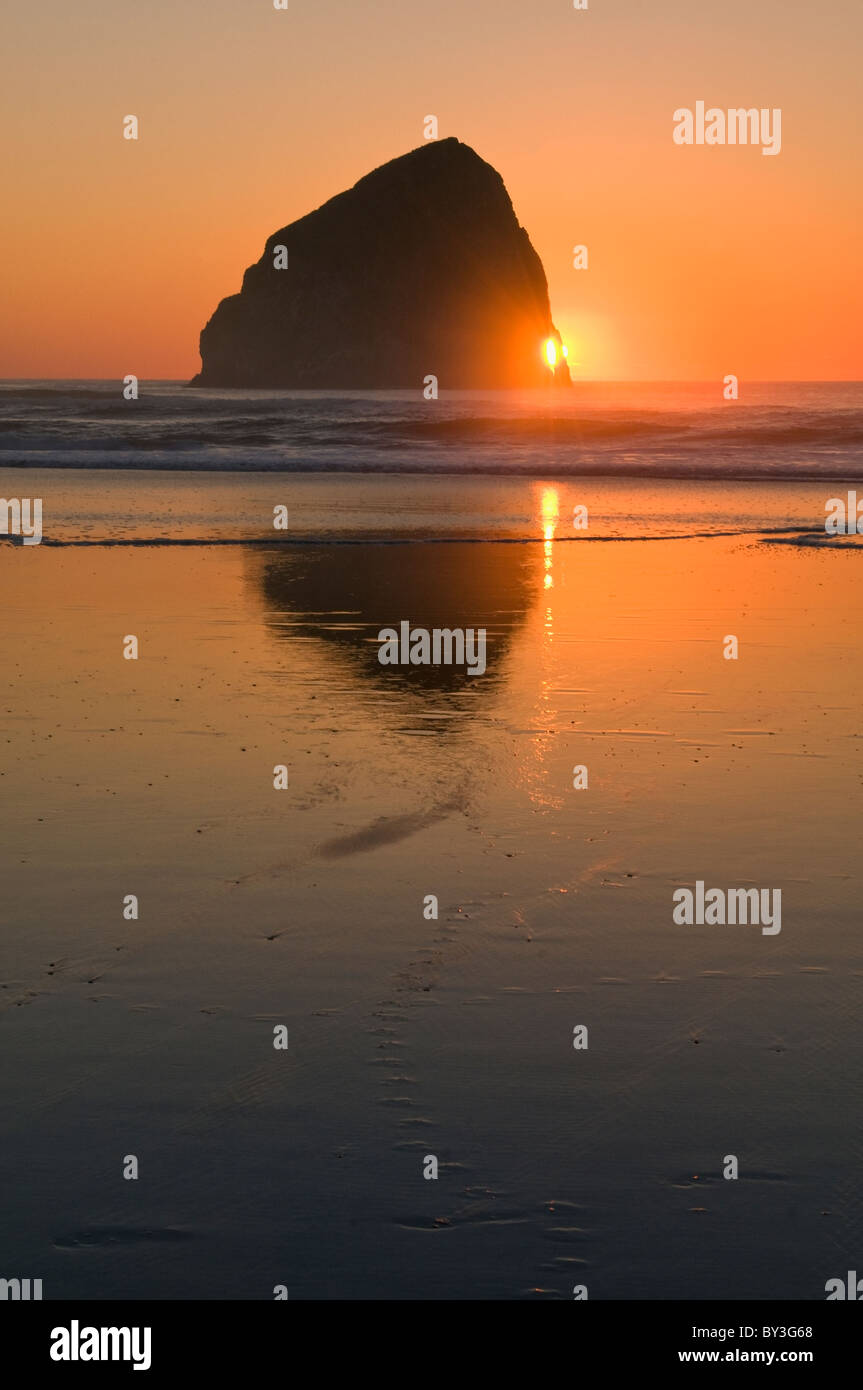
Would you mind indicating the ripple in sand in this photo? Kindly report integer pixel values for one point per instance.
(495, 1218)
(100, 1236)
(708, 1179)
(423, 1223)
(557, 1205)
(566, 1234)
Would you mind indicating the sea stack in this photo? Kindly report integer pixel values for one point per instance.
(421, 269)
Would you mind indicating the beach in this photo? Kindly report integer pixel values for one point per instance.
(409, 1035)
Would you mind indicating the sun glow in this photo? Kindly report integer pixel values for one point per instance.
(550, 351)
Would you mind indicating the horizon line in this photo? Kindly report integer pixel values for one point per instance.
(577, 381)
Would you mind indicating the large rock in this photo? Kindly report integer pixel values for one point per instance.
(421, 268)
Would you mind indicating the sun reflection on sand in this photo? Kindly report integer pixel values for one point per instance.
(536, 776)
(550, 516)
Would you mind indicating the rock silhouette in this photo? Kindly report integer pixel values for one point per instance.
(420, 269)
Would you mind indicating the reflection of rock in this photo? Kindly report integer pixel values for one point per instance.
(421, 268)
(345, 594)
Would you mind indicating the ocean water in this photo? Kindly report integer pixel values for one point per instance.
(790, 430)
(652, 461)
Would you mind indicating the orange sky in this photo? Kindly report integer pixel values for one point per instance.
(703, 260)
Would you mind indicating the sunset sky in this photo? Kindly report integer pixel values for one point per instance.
(702, 260)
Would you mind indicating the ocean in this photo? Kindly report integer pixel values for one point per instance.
(190, 466)
(780, 430)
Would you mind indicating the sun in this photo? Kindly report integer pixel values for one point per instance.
(550, 352)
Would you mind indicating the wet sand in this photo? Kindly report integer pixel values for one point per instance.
(412, 1037)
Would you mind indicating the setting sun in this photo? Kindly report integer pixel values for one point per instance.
(551, 352)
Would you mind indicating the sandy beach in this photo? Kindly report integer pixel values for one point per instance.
(410, 1036)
